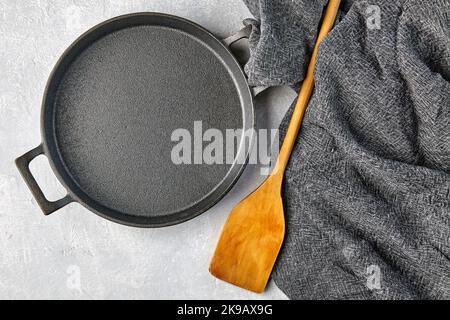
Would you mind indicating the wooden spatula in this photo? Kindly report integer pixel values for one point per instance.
(254, 231)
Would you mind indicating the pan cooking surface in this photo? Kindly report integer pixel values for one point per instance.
(117, 106)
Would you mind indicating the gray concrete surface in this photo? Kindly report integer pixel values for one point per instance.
(73, 254)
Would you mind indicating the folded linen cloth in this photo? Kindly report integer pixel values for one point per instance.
(367, 190)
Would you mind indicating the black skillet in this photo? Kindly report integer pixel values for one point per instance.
(109, 109)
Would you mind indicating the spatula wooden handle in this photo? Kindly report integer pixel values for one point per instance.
(305, 91)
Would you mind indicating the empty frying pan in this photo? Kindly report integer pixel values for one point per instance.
(110, 107)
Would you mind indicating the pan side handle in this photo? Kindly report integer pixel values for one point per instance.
(244, 33)
(23, 164)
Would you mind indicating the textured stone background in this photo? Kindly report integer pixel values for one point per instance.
(73, 253)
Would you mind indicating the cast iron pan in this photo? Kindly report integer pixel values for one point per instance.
(109, 109)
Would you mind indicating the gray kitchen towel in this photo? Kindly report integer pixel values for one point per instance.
(367, 189)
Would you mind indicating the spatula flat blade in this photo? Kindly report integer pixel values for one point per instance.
(250, 241)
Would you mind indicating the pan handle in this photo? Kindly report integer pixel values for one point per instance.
(244, 33)
(23, 164)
